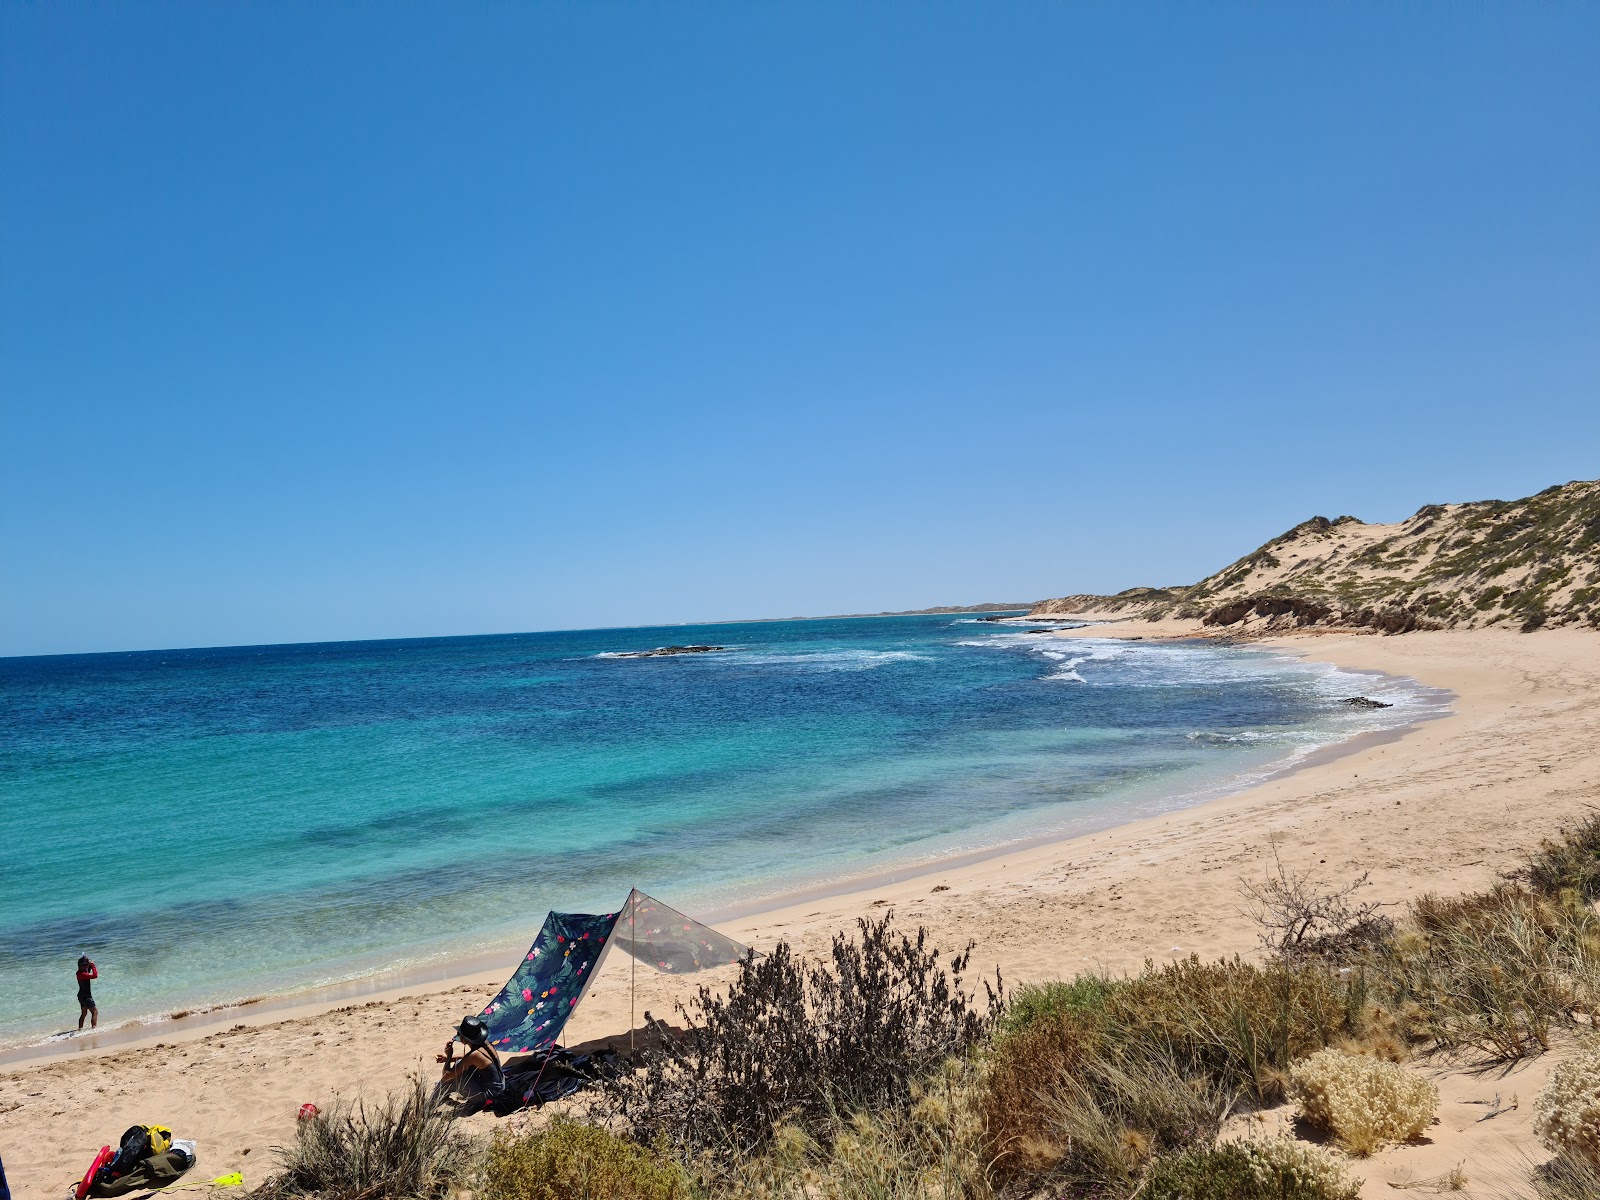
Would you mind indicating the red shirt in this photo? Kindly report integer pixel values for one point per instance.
(92, 973)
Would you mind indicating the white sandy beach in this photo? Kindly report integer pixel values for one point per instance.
(1444, 808)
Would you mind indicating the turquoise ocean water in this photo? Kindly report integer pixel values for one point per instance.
(215, 824)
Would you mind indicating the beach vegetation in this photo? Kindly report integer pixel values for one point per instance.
(1567, 1109)
(1093, 1117)
(571, 1160)
(1036, 1004)
(1494, 972)
(1564, 1177)
(1266, 1169)
(1570, 862)
(1090, 1081)
(1296, 916)
(1362, 1102)
(875, 1072)
(933, 1148)
(800, 1043)
(398, 1148)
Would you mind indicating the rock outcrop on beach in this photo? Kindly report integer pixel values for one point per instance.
(1525, 564)
(667, 651)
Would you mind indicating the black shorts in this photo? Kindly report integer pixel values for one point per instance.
(86, 1000)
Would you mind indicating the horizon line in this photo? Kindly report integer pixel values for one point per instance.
(937, 610)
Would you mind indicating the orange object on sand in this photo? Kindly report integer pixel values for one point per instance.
(106, 1155)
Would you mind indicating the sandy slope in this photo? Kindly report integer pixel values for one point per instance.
(1444, 808)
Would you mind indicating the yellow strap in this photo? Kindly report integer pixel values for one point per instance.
(232, 1180)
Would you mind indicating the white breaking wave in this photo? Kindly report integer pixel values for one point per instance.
(1109, 661)
(833, 660)
(1144, 664)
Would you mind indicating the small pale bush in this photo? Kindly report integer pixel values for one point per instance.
(1363, 1102)
(1567, 1111)
(1270, 1169)
(568, 1160)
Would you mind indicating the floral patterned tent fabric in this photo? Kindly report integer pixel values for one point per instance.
(533, 1007)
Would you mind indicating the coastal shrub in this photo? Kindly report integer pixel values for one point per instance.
(568, 1160)
(1269, 1169)
(1086, 1079)
(1492, 972)
(797, 1043)
(398, 1148)
(1027, 1067)
(1235, 1023)
(1104, 1122)
(1567, 1110)
(932, 1149)
(1571, 861)
(1297, 917)
(1362, 1102)
(1036, 1003)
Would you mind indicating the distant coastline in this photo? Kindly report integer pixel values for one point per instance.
(1020, 608)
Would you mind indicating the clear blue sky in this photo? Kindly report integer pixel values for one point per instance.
(367, 320)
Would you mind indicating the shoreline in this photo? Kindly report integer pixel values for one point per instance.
(1446, 808)
(489, 963)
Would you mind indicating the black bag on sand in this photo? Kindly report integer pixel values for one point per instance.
(536, 1084)
(154, 1172)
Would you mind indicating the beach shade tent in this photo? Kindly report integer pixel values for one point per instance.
(536, 1003)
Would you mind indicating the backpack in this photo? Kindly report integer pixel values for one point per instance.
(138, 1144)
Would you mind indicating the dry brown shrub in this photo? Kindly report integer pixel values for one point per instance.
(799, 1042)
(1025, 1070)
(1297, 917)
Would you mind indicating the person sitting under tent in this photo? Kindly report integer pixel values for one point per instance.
(526, 1017)
(478, 1071)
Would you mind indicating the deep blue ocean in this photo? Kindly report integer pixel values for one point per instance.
(214, 824)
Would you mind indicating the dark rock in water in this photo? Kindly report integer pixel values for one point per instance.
(1363, 702)
(665, 651)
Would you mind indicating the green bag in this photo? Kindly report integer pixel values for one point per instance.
(154, 1172)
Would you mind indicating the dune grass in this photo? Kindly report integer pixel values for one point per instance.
(397, 1148)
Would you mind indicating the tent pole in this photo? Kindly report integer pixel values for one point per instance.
(633, 967)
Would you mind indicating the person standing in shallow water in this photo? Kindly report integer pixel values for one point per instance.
(86, 1007)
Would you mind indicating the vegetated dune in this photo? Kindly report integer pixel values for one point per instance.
(1520, 563)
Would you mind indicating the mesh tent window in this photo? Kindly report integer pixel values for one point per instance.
(529, 1013)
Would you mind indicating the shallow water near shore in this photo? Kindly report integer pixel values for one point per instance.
(215, 824)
